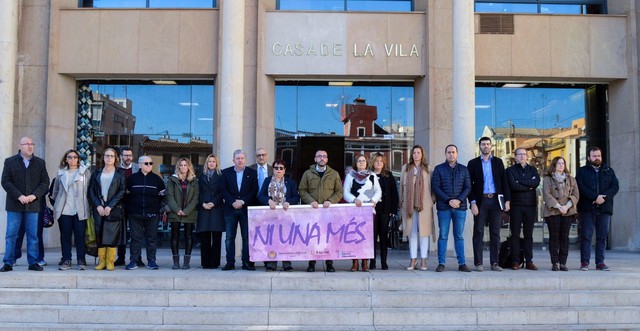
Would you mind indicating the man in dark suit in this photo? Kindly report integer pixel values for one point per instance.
(488, 182)
(26, 181)
(262, 167)
(239, 187)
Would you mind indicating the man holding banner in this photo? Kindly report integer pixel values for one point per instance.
(320, 184)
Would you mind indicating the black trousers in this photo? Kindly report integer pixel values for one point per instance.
(381, 234)
(559, 227)
(522, 218)
(488, 213)
(210, 248)
(143, 227)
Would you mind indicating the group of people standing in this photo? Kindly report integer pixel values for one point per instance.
(217, 200)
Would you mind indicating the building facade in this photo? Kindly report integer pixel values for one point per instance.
(250, 51)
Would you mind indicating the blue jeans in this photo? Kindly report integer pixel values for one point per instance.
(231, 221)
(14, 220)
(72, 226)
(593, 220)
(445, 218)
(20, 239)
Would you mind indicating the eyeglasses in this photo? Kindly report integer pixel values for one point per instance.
(69, 157)
(127, 155)
(147, 163)
(362, 161)
(278, 168)
(28, 144)
(109, 156)
(521, 154)
(261, 155)
(322, 156)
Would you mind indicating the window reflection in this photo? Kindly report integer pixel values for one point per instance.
(368, 118)
(571, 7)
(350, 5)
(147, 3)
(163, 121)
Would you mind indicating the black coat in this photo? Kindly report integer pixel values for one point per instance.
(19, 180)
(229, 187)
(292, 196)
(592, 183)
(477, 179)
(523, 183)
(146, 194)
(115, 200)
(449, 183)
(388, 204)
(212, 219)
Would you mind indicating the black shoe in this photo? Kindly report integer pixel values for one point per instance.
(330, 268)
(311, 268)
(35, 267)
(119, 262)
(6, 267)
(229, 266)
(384, 265)
(288, 268)
(440, 268)
(554, 267)
(372, 264)
(270, 268)
(563, 267)
(464, 268)
(248, 266)
(139, 262)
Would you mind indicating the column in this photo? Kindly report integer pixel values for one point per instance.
(231, 81)
(464, 117)
(8, 58)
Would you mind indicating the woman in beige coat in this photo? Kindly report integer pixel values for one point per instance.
(416, 203)
(560, 194)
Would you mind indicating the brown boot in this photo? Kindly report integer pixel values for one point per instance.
(365, 265)
(354, 265)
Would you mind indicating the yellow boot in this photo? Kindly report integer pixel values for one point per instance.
(111, 257)
(102, 259)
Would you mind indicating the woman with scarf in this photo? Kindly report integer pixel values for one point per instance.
(182, 201)
(278, 190)
(210, 225)
(71, 207)
(560, 194)
(361, 185)
(416, 204)
(106, 192)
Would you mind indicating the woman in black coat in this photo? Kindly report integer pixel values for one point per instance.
(278, 190)
(106, 192)
(210, 225)
(387, 206)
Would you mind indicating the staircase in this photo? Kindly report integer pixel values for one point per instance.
(378, 300)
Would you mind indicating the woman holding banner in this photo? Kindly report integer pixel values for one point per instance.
(361, 185)
(417, 206)
(386, 208)
(279, 191)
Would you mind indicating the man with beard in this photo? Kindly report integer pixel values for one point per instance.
(598, 185)
(488, 182)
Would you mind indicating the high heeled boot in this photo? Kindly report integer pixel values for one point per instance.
(354, 265)
(187, 260)
(365, 265)
(102, 258)
(176, 262)
(111, 257)
(383, 261)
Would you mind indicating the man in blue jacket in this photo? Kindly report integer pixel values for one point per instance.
(451, 184)
(26, 181)
(598, 185)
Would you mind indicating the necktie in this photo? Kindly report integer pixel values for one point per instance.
(260, 177)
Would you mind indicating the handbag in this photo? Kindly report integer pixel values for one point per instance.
(47, 217)
(394, 232)
(90, 243)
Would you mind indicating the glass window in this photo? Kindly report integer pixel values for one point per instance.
(563, 9)
(513, 8)
(147, 3)
(363, 118)
(163, 121)
(541, 6)
(547, 121)
(350, 5)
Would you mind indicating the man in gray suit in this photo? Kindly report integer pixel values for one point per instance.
(261, 166)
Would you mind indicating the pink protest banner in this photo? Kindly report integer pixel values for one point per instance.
(342, 231)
